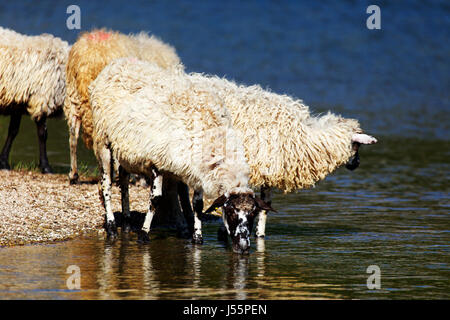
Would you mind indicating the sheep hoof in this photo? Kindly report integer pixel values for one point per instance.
(143, 237)
(184, 233)
(197, 239)
(46, 169)
(126, 225)
(4, 165)
(111, 230)
(74, 179)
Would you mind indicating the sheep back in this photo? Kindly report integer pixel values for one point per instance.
(286, 147)
(92, 52)
(32, 72)
(149, 115)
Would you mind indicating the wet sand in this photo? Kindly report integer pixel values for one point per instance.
(38, 208)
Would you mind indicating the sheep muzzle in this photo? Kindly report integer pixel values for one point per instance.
(354, 160)
(239, 211)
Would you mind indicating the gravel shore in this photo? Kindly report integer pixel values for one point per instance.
(45, 208)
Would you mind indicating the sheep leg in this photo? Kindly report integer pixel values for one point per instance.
(266, 195)
(42, 135)
(105, 169)
(183, 193)
(197, 204)
(74, 132)
(155, 199)
(124, 178)
(222, 234)
(13, 130)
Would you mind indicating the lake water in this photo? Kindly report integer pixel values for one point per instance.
(393, 211)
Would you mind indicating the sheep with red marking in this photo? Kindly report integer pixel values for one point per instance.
(87, 58)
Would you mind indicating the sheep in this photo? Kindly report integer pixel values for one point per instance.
(155, 121)
(88, 56)
(286, 147)
(32, 81)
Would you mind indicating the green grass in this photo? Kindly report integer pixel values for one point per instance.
(26, 166)
(84, 170)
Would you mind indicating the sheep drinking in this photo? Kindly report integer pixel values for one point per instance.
(152, 121)
(286, 146)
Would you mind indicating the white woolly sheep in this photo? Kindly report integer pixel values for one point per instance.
(155, 121)
(88, 56)
(286, 147)
(32, 81)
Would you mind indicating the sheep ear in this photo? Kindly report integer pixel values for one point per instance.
(219, 202)
(264, 205)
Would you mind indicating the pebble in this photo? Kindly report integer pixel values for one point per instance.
(36, 208)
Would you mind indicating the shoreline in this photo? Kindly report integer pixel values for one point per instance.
(38, 208)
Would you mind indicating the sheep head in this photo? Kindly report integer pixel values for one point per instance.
(239, 212)
(357, 140)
